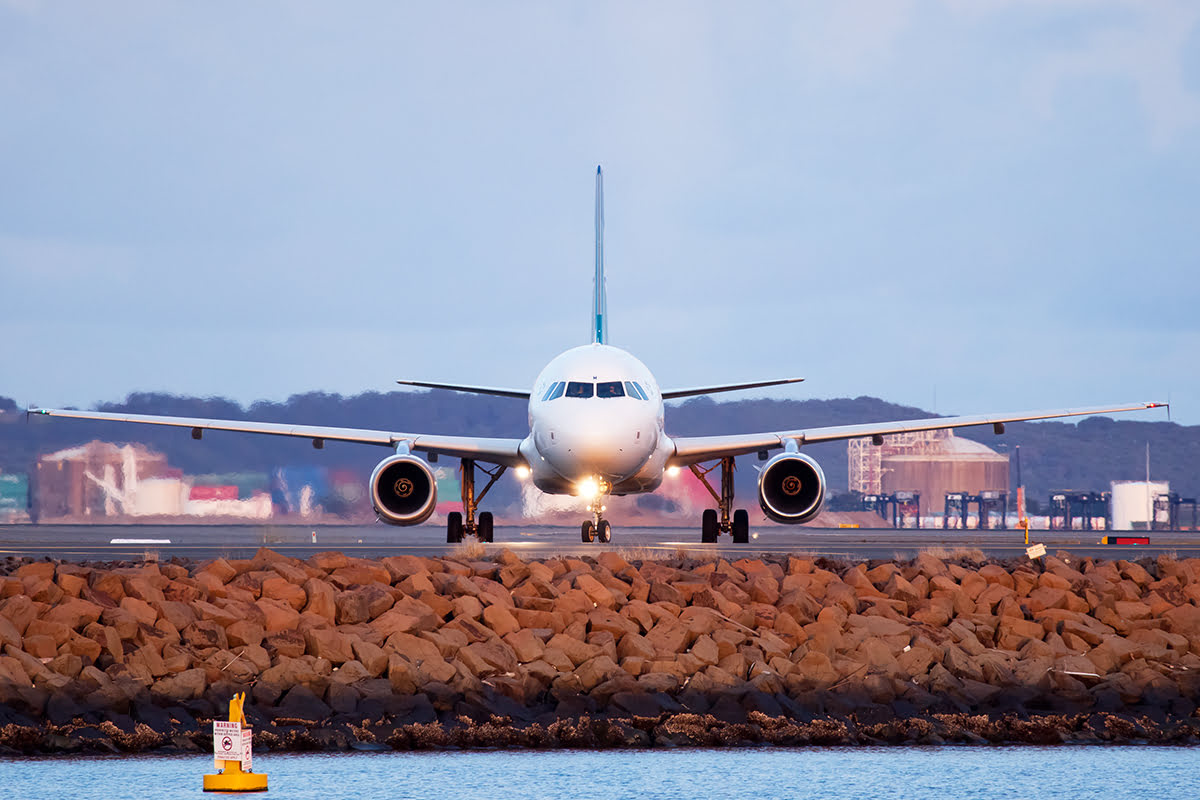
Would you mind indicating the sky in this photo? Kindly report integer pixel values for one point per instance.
(962, 205)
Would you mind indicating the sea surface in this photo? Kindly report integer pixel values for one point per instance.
(994, 773)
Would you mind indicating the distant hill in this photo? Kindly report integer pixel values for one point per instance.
(1054, 455)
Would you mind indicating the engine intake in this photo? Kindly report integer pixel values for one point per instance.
(791, 488)
(403, 490)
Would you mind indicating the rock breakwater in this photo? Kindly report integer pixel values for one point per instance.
(465, 651)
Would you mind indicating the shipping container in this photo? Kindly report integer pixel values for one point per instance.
(14, 492)
(213, 493)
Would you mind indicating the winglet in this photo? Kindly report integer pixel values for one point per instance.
(599, 303)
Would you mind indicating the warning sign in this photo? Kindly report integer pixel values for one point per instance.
(247, 751)
(227, 741)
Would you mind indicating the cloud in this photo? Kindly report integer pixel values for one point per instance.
(1142, 44)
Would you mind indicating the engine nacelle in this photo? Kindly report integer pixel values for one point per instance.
(403, 490)
(791, 488)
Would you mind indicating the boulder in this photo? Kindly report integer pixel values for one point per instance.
(180, 688)
(360, 573)
(74, 613)
(244, 632)
(609, 621)
(352, 606)
(526, 645)
(320, 596)
(57, 631)
(202, 634)
(286, 591)
(467, 606)
(394, 621)
(575, 650)
(668, 637)
(180, 615)
(9, 633)
(288, 643)
(300, 703)
(488, 658)
(277, 615)
(145, 613)
(596, 671)
(372, 657)
(329, 644)
(500, 620)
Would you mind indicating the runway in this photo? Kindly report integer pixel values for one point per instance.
(200, 542)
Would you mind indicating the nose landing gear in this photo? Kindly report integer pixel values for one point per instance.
(597, 528)
(712, 526)
(456, 526)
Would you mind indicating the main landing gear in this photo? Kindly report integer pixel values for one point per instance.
(597, 528)
(712, 525)
(456, 526)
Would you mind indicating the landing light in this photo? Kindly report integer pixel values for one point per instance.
(672, 472)
(588, 488)
(523, 472)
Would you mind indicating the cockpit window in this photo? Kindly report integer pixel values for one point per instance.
(559, 388)
(579, 389)
(634, 389)
(549, 395)
(610, 389)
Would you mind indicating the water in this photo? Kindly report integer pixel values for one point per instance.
(994, 773)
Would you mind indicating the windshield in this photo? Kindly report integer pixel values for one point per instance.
(610, 389)
(579, 389)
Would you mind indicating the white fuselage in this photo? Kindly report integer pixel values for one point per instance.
(596, 414)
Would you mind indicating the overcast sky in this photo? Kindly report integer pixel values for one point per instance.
(975, 206)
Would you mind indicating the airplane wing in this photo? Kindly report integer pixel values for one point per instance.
(459, 387)
(671, 394)
(491, 450)
(695, 449)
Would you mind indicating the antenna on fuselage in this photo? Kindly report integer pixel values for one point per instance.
(599, 303)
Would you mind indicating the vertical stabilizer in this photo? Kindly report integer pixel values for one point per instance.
(599, 303)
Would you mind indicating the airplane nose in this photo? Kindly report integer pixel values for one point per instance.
(613, 450)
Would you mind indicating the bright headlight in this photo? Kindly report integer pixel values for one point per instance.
(588, 488)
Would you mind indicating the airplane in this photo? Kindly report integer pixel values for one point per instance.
(597, 429)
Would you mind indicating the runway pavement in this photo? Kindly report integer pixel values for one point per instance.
(136, 542)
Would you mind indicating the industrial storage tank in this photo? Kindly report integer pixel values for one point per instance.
(1133, 503)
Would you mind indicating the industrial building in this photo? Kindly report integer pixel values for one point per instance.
(102, 481)
(931, 464)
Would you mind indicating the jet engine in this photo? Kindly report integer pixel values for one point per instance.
(791, 488)
(403, 490)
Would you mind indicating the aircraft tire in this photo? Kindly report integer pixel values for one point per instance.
(454, 527)
(587, 532)
(604, 533)
(486, 526)
(708, 526)
(741, 527)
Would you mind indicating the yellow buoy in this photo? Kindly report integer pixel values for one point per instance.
(232, 749)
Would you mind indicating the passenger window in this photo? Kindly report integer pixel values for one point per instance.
(550, 391)
(558, 390)
(579, 389)
(610, 389)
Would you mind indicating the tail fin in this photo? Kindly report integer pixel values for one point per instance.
(599, 302)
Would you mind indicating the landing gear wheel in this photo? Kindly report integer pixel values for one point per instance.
(741, 527)
(454, 527)
(588, 532)
(708, 527)
(485, 526)
(604, 532)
